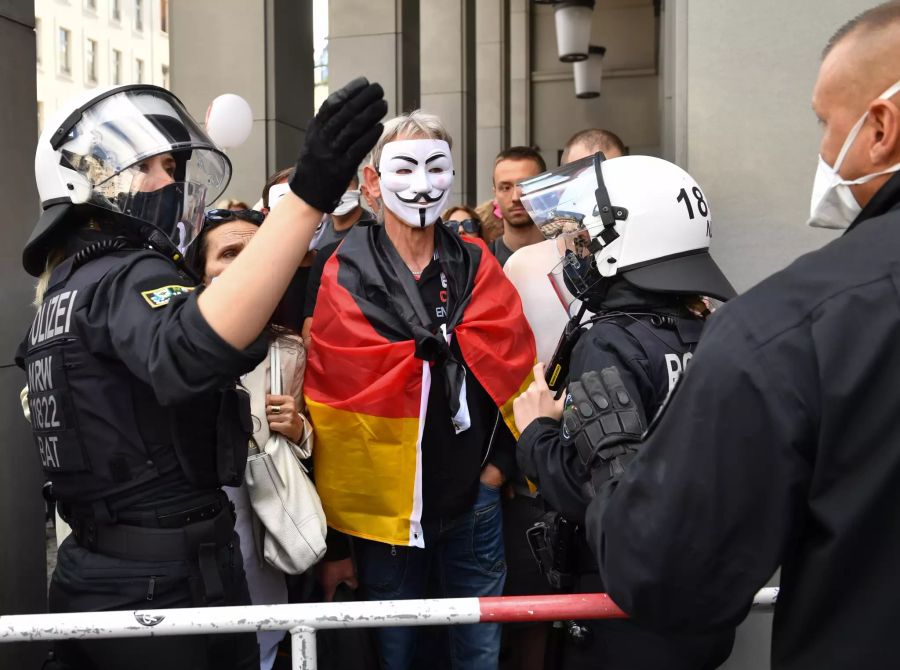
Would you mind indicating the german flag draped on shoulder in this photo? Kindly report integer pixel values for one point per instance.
(367, 381)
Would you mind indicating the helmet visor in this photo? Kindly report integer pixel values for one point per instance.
(132, 125)
(143, 156)
(561, 201)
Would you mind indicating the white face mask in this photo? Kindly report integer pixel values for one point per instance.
(416, 176)
(832, 204)
(349, 202)
(276, 193)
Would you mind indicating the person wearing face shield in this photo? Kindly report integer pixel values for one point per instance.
(418, 347)
(635, 251)
(131, 363)
(778, 448)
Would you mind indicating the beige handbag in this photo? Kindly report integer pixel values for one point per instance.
(283, 496)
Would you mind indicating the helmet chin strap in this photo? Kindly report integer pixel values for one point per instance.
(608, 213)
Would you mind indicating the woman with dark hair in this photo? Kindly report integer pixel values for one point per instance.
(463, 220)
(225, 234)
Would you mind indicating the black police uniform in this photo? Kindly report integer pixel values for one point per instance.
(138, 422)
(650, 337)
(795, 461)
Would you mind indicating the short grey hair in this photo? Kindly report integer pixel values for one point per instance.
(415, 125)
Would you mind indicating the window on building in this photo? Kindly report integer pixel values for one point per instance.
(139, 70)
(64, 51)
(116, 67)
(90, 61)
(90, 5)
(139, 15)
(165, 76)
(37, 39)
(164, 15)
(115, 10)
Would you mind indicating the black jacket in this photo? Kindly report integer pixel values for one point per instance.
(780, 447)
(649, 338)
(131, 392)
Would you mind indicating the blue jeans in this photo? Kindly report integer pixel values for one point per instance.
(463, 557)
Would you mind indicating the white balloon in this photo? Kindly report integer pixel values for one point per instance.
(229, 121)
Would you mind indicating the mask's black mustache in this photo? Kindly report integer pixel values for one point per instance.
(421, 197)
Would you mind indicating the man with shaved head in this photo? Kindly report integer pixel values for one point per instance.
(781, 445)
(588, 142)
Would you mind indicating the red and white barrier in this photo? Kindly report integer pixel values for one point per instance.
(304, 620)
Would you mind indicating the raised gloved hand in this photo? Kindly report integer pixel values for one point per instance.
(604, 421)
(337, 139)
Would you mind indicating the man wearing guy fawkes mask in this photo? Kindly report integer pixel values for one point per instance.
(635, 251)
(418, 347)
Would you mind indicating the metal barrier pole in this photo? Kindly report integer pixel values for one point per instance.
(303, 648)
(304, 619)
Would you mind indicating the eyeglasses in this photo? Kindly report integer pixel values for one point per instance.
(471, 226)
(225, 215)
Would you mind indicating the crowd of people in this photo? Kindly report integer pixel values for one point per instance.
(491, 399)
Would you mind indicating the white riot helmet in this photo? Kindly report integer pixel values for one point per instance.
(92, 154)
(638, 217)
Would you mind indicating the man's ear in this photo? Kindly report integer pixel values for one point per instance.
(884, 115)
(372, 181)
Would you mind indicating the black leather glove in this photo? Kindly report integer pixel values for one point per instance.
(337, 139)
(605, 423)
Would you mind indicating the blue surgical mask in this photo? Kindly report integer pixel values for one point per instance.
(832, 204)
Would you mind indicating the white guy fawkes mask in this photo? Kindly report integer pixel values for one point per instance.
(415, 179)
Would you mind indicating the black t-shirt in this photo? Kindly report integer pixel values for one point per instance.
(442, 468)
(291, 310)
(500, 250)
(315, 274)
(433, 289)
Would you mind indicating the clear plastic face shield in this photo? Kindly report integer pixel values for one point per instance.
(141, 155)
(566, 205)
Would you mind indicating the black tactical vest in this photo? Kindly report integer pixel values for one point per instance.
(100, 432)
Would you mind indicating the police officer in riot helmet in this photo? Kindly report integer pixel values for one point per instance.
(131, 366)
(633, 234)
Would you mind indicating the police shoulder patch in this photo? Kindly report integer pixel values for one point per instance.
(160, 297)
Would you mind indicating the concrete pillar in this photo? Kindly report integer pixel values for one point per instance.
(260, 49)
(492, 90)
(23, 582)
(447, 80)
(380, 40)
(519, 73)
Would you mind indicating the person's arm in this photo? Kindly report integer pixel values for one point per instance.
(163, 341)
(501, 465)
(336, 567)
(289, 421)
(545, 450)
(240, 302)
(699, 520)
